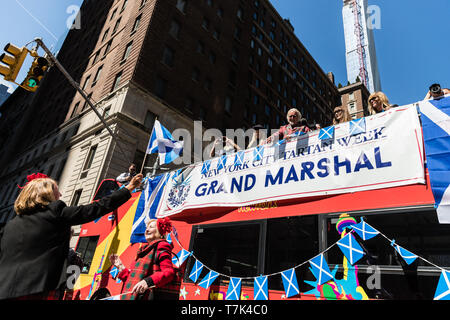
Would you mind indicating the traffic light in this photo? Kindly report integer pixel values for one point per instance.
(13, 60)
(35, 74)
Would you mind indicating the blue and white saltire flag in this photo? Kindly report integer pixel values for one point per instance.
(162, 142)
(350, 248)
(148, 204)
(260, 291)
(258, 153)
(290, 283)
(435, 117)
(208, 279)
(320, 269)
(206, 166)
(408, 256)
(239, 158)
(326, 133)
(196, 271)
(114, 272)
(443, 287)
(364, 230)
(234, 289)
(222, 162)
(357, 126)
(180, 258)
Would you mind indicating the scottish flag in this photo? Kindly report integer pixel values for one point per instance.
(405, 254)
(234, 289)
(364, 230)
(206, 166)
(162, 142)
(222, 162)
(148, 204)
(196, 271)
(208, 279)
(350, 248)
(258, 153)
(260, 291)
(357, 126)
(443, 287)
(435, 116)
(290, 283)
(239, 158)
(180, 258)
(326, 133)
(320, 269)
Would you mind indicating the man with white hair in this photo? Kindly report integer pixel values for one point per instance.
(295, 125)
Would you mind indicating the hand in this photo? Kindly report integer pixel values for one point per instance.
(115, 261)
(135, 182)
(140, 287)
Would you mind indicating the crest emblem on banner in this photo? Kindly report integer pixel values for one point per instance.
(179, 191)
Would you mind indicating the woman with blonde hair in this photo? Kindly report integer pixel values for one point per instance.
(341, 115)
(378, 102)
(35, 243)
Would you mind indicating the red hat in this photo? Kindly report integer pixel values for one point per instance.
(164, 225)
(33, 176)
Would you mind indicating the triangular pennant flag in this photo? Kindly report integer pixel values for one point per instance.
(169, 238)
(320, 269)
(181, 257)
(408, 256)
(357, 126)
(350, 248)
(364, 230)
(443, 287)
(114, 272)
(326, 133)
(196, 271)
(234, 289)
(290, 283)
(260, 291)
(208, 279)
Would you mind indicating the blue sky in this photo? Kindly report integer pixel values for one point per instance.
(412, 44)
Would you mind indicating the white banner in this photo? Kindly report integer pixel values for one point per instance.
(379, 151)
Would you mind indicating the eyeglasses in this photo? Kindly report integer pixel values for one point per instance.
(374, 98)
(337, 111)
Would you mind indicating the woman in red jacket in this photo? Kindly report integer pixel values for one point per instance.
(152, 267)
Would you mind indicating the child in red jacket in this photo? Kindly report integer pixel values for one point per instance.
(153, 264)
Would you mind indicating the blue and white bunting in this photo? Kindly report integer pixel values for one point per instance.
(208, 279)
(435, 117)
(181, 257)
(196, 271)
(260, 288)
(206, 166)
(350, 248)
(148, 204)
(443, 288)
(290, 283)
(320, 269)
(114, 273)
(239, 158)
(234, 289)
(364, 230)
(408, 256)
(222, 162)
(258, 153)
(162, 142)
(326, 133)
(357, 126)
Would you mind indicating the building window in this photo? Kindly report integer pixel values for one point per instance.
(127, 51)
(240, 13)
(108, 46)
(195, 74)
(174, 30)
(124, 5)
(116, 26)
(168, 56)
(149, 120)
(181, 5)
(212, 57)
(117, 81)
(105, 35)
(137, 22)
(228, 104)
(216, 34)
(205, 24)
(76, 198)
(86, 82)
(160, 87)
(200, 47)
(90, 158)
(97, 75)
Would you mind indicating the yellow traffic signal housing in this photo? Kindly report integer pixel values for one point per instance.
(13, 60)
(35, 74)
